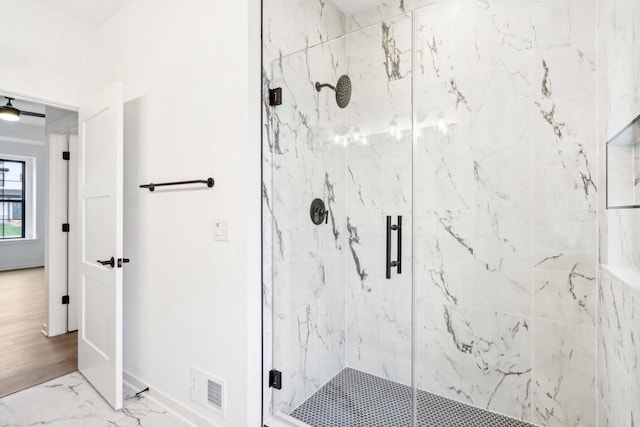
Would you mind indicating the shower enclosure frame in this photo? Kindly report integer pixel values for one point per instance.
(272, 98)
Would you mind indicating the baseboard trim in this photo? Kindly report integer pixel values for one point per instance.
(21, 266)
(176, 408)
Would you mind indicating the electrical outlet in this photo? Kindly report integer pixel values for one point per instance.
(221, 230)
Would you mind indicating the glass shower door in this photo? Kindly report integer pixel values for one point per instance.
(341, 205)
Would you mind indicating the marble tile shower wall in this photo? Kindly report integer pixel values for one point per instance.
(619, 103)
(504, 197)
(379, 183)
(618, 306)
(505, 207)
(308, 260)
(618, 353)
(289, 26)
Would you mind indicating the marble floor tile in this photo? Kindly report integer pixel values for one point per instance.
(6, 419)
(71, 401)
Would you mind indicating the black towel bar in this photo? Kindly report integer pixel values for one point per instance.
(152, 186)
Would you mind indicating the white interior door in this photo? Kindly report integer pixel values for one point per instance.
(100, 243)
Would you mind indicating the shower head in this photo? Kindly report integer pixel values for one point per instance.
(342, 90)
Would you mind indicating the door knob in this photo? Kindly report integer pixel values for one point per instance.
(122, 261)
(110, 262)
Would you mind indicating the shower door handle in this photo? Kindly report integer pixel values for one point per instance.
(397, 263)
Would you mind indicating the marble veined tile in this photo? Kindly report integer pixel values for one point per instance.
(564, 24)
(604, 358)
(633, 352)
(566, 174)
(635, 404)
(445, 237)
(475, 356)
(618, 35)
(603, 415)
(622, 235)
(565, 193)
(309, 318)
(292, 25)
(49, 403)
(378, 320)
(444, 351)
(615, 305)
(564, 374)
(503, 354)
(71, 401)
(6, 419)
(618, 337)
(620, 403)
(565, 296)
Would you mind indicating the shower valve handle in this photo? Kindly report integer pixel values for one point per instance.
(318, 212)
(321, 215)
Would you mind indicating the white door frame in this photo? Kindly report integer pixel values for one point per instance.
(56, 250)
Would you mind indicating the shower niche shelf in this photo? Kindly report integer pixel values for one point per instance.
(623, 168)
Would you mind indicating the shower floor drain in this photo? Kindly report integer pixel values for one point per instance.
(356, 399)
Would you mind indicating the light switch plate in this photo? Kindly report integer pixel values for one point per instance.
(221, 230)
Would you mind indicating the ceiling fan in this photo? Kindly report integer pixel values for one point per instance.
(12, 114)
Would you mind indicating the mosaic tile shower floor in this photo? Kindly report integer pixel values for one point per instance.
(357, 399)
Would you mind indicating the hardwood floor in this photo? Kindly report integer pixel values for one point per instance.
(27, 357)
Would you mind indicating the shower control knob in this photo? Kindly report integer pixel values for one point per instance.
(318, 212)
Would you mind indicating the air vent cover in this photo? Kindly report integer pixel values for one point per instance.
(214, 394)
(208, 391)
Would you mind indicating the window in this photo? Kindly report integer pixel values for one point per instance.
(12, 199)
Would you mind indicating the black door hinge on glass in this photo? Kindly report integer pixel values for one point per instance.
(275, 96)
(275, 379)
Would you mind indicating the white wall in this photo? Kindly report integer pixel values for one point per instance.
(193, 69)
(187, 117)
(45, 54)
(29, 252)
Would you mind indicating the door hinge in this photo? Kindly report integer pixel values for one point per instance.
(66, 155)
(275, 379)
(65, 228)
(275, 96)
(65, 299)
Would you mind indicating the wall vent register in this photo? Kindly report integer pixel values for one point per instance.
(208, 391)
(214, 394)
